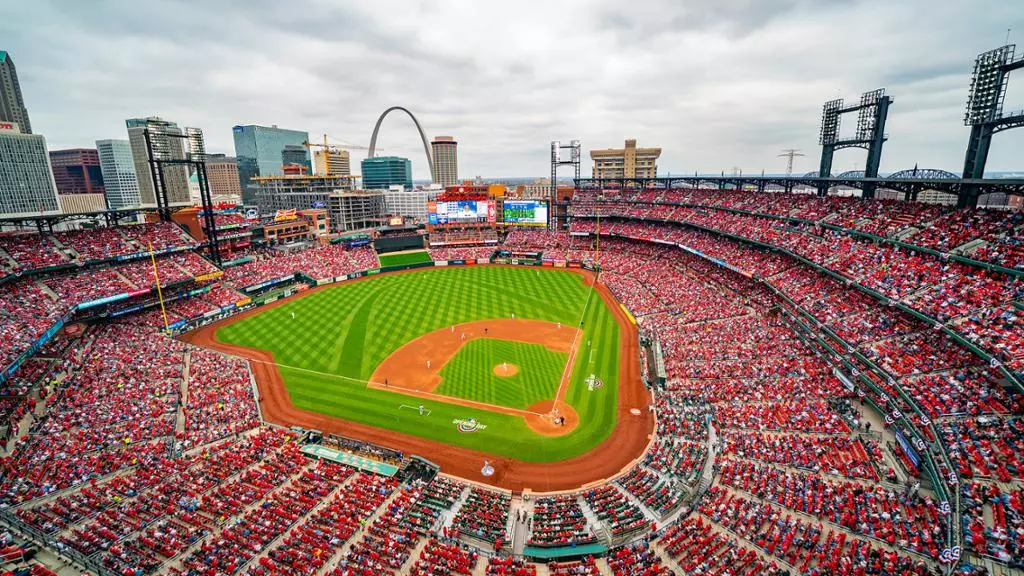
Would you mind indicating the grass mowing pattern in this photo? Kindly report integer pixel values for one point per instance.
(470, 373)
(340, 334)
(403, 259)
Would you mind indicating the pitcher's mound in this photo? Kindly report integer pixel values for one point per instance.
(543, 421)
(506, 369)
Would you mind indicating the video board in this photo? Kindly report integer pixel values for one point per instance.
(525, 212)
(461, 212)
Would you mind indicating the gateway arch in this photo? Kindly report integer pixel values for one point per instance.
(423, 137)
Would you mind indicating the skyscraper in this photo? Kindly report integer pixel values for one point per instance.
(118, 171)
(383, 171)
(446, 161)
(12, 105)
(259, 152)
(166, 144)
(26, 178)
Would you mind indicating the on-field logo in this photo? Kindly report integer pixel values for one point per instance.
(468, 425)
(593, 382)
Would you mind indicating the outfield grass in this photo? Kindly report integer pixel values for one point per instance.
(341, 334)
(470, 373)
(404, 258)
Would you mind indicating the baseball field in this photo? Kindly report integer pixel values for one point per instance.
(465, 343)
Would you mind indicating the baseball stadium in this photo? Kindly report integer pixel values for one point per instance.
(620, 375)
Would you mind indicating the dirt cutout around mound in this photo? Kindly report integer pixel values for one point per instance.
(505, 370)
(416, 366)
(614, 456)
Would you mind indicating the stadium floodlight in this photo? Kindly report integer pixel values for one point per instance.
(830, 121)
(868, 113)
(988, 86)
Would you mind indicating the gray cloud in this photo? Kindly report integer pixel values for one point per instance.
(715, 83)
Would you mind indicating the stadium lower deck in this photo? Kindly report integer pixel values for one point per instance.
(861, 417)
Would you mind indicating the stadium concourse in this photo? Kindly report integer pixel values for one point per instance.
(834, 402)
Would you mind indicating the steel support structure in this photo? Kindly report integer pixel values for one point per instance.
(195, 158)
(575, 159)
(985, 112)
(872, 113)
(909, 185)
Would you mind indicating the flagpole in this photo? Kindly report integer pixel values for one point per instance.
(159, 291)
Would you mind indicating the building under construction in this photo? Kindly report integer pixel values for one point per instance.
(296, 191)
(356, 209)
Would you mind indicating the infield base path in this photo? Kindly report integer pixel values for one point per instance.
(620, 451)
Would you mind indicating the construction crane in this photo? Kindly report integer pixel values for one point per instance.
(789, 154)
(328, 148)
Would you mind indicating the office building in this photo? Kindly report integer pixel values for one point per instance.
(294, 192)
(222, 176)
(12, 105)
(627, 162)
(118, 170)
(26, 178)
(356, 209)
(77, 171)
(259, 150)
(446, 161)
(412, 204)
(167, 144)
(381, 172)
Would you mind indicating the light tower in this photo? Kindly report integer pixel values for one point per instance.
(985, 112)
(556, 160)
(872, 112)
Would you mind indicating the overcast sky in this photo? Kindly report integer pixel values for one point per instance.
(716, 84)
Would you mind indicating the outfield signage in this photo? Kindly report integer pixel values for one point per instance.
(210, 276)
(106, 300)
(262, 285)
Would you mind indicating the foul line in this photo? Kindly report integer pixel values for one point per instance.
(563, 384)
(407, 391)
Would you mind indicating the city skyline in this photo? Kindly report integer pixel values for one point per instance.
(716, 85)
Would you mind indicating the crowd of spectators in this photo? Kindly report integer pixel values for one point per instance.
(699, 548)
(654, 492)
(448, 253)
(484, 516)
(559, 521)
(619, 515)
(220, 399)
(442, 558)
(317, 262)
(805, 545)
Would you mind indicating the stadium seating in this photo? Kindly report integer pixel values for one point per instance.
(149, 456)
(559, 521)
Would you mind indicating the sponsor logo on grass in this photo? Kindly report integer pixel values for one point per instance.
(593, 382)
(468, 425)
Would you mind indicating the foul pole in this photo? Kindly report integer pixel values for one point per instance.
(159, 291)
